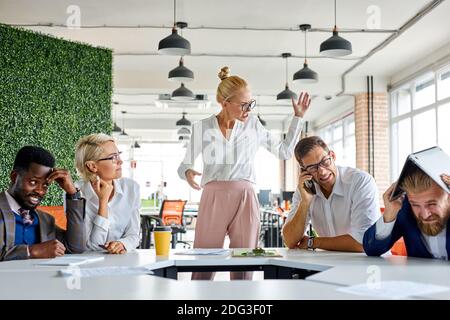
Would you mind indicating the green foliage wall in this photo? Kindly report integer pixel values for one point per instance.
(52, 92)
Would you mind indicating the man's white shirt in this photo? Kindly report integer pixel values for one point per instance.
(352, 207)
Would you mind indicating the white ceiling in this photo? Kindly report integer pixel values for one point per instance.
(140, 73)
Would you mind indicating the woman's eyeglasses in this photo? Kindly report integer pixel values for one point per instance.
(246, 106)
(115, 157)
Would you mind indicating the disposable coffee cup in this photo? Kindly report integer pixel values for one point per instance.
(162, 236)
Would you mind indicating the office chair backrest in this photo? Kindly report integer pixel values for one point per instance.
(399, 247)
(58, 213)
(172, 212)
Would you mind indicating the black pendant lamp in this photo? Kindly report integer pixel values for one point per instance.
(183, 131)
(184, 138)
(174, 44)
(182, 93)
(335, 46)
(286, 94)
(181, 73)
(183, 122)
(136, 145)
(116, 128)
(305, 75)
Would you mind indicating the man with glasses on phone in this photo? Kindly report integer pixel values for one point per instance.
(341, 203)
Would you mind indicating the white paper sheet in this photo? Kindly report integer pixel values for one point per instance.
(103, 271)
(204, 252)
(393, 289)
(70, 260)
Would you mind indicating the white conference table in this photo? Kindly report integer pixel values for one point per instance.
(23, 279)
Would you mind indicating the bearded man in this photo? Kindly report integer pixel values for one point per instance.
(420, 217)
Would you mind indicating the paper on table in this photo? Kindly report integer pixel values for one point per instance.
(104, 271)
(70, 260)
(204, 252)
(393, 289)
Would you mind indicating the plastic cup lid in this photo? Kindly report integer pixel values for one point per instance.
(163, 228)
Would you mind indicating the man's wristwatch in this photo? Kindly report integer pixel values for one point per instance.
(75, 196)
(310, 243)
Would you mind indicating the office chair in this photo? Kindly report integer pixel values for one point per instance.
(171, 214)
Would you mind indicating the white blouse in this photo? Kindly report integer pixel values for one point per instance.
(123, 221)
(233, 159)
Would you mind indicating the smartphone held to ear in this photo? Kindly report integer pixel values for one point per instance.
(309, 187)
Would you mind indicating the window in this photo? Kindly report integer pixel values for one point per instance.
(156, 171)
(267, 170)
(340, 137)
(443, 127)
(444, 84)
(402, 101)
(424, 91)
(424, 133)
(420, 110)
(401, 142)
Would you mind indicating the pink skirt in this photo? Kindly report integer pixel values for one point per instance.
(227, 207)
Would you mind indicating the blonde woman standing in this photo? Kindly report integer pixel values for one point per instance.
(112, 203)
(228, 143)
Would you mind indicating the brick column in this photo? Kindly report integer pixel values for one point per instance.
(381, 137)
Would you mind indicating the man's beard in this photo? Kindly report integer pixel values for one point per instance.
(433, 229)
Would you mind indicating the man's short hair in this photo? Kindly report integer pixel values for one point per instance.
(305, 145)
(416, 181)
(32, 154)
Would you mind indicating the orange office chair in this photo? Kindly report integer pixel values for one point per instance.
(171, 214)
(399, 248)
(58, 213)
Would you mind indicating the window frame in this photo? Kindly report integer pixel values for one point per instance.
(342, 121)
(410, 84)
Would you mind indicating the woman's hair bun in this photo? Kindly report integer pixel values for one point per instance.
(224, 73)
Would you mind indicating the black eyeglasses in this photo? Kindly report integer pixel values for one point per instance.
(246, 106)
(324, 163)
(115, 157)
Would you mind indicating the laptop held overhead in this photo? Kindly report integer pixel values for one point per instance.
(432, 161)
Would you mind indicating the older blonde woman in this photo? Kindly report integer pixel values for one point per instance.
(228, 143)
(112, 202)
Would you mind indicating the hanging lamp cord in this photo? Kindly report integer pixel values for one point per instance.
(335, 24)
(286, 71)
(305, 46)
(174, 13)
